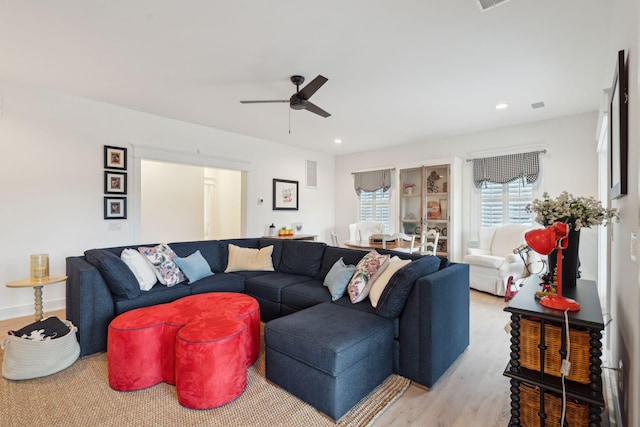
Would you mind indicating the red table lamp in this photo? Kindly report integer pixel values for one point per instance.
(544, 241)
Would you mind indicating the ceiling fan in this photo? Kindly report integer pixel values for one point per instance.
(300, 99)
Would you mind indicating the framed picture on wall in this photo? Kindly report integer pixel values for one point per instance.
(115, 208)
(285, 195)
(618, 130)
(115, 157)
(115, 182)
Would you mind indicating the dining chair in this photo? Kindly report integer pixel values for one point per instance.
(398, 237)
(334, 238)
(429, 242)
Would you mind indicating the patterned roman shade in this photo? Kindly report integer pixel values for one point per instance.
(504, 169)
(372, 180)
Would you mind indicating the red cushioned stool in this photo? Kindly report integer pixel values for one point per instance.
(201, 343)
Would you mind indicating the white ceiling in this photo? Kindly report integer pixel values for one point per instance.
(399, 71)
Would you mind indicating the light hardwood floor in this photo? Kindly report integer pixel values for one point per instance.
(473, 392)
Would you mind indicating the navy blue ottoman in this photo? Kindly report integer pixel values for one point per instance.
(329, 356)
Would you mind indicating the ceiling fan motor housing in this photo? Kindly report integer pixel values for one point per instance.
(297, 103)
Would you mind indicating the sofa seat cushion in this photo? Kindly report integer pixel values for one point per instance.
(306, 294)
(219, 282)
(269, 286)
(329, 337)
(302, 258)
(159, 294)
(490, 261)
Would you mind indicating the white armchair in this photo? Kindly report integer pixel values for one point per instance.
(491, 264)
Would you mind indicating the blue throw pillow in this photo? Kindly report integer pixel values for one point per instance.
(338, 278)
(395, 294)
(116, 273)
(195, 267)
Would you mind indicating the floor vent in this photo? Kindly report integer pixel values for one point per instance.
(489, 4)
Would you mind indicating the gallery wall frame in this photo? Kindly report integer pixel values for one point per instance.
(115, 157)
(115, 182)
(285, 195)
(618, 130)
(115, 208)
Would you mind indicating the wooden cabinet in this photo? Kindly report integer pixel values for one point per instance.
(539, 343)
(426, 203)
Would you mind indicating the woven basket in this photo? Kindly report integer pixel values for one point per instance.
(530, 353)
(25, 359)
(577, 414)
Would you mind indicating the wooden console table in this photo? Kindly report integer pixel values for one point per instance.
(589, 318)
(310, 237)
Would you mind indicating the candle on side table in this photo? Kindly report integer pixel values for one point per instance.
(39, 267)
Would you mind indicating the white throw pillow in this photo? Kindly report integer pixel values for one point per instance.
(144, 272)
(381, 281)
(249, 259)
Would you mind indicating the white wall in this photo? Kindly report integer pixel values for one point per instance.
(172, 202)
(624, 329)
(227, 216)
(570, 164)
(51, 179)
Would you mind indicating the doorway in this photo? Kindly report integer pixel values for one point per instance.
(180, 202)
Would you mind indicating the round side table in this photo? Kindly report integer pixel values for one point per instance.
(37, 288)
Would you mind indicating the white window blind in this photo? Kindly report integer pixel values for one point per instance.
(505, 203)
(374, 206)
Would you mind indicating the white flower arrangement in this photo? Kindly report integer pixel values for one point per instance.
(576, 212)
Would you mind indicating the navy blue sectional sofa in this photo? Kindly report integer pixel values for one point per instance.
(425, 324)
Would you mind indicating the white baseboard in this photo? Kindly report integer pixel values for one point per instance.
(28, 309)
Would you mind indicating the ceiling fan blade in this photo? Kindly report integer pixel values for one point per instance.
(264, 102)
(315, 109)
(312, 87)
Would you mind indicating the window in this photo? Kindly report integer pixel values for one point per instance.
(505, 203)
(374, 206)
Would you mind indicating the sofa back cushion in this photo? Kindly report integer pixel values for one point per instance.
(332, 254)
(303, 258)
(116, 273)
(395, 294)
(210, 250)
(507, 238)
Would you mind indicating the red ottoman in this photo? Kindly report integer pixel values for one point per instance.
(201, 343)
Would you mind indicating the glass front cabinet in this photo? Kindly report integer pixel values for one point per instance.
(426, 203)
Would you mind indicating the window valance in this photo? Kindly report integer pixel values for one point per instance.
(372, 180)
(508, 168)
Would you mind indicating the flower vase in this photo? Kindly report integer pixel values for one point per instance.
(570, 260)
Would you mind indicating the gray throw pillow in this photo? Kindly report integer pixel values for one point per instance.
(338, 278)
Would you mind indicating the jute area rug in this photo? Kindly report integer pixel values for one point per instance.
(80, 396)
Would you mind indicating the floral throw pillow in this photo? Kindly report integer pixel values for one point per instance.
(369, 267)
(161, 258)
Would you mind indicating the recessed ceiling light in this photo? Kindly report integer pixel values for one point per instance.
(337, 141)
(501, 106)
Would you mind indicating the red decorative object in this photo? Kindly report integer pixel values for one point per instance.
(201, 343)
(544, 241)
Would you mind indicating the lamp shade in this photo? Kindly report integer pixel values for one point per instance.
(545, 240)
